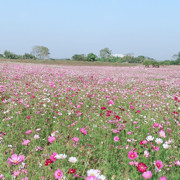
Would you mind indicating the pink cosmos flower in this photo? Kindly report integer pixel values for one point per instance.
(155, 125)
(147, 175)
(16, 173)
(75, 139)
(58, 174)
(28, 132)
(36, 136)
(177, 163)
(156, 148)
(138, 111)
(131, 107)
(133, 163)
(53, 156)
(2, 177)
(83, 131)
(162, 134)
(163, 178)
(132, 155)
(129, 133)
(91, 178)
(159, 164)
(143, 142)
(15, 159)
(110, 103)
(26, 142)
(38, 148)
(51, 139)
(116, 138)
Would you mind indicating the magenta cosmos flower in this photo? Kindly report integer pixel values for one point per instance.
(26, 142)
(91, 178)
(83, 131)
(147, 175)
(132, 155)
(28, 132)
(15, 159)
(51, 139)
(75, 139)
(159, 164)
(53, 156)
(110, 103)
(116, 138)
(58, 174)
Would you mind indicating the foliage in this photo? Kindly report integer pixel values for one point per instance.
(1, 56)
(153, 63)
(79, 57)
(40, 52)
(10, 55)
(105, 53)
(91, 57)
(28, 56)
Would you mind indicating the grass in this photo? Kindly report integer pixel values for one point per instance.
(66, 62)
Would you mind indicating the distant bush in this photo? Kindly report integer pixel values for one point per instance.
(10, 55)
(155, 64)
(79, 57)
(91, 57)
(28, 56)
(152, 63)
(1, 56)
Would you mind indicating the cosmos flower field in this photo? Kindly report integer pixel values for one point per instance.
(93, 123)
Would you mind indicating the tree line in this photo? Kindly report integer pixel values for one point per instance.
(38, 52)
(105, 55)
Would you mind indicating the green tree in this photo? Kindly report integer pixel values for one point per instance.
(79, 57)
(28, 56)
(147, 63)
(40, 52)
(155, 64)
(1, 56)
(10, 55)
(105, 53)
(91, 57)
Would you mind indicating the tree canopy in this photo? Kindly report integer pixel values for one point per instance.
(105, 53)
(41, 52)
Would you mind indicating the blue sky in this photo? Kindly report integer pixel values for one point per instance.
(68, 27)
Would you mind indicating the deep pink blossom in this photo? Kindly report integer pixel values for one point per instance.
(132, 155)
(51, 139)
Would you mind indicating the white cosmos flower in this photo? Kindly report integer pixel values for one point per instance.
(146, 153)
(72, 159)
(36, 136)
(101, 177)
(166, 146)
(60, 156)
(159, 141)
(149, 138)
(93, 172)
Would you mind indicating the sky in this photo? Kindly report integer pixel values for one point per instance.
(67, 27)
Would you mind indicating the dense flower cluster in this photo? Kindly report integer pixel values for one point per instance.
(92, 123)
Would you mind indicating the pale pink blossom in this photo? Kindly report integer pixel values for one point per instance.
(147, 175)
